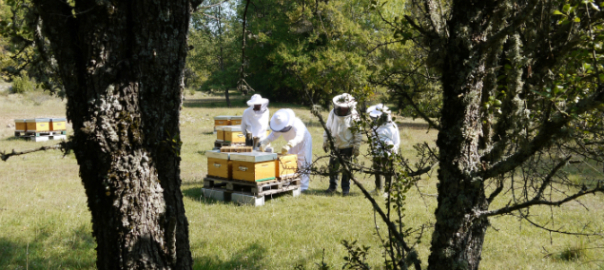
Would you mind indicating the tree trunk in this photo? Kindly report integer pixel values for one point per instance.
(121, 63)
(458, 237)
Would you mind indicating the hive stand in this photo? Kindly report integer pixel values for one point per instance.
(247, 192)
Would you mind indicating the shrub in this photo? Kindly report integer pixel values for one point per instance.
(22, 84)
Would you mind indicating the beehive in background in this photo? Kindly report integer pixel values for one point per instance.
(233, 134)
(286, 165)
(38, 125)
(219, 164)
(58, 124)
(222, 120)
(254, 167)
(235, 120)
(220, 133)
(236, 149)
(20, 125)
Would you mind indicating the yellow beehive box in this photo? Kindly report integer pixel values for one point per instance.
(220, 133)
(233, 134)
(219, 164)
(253, 167)
(286, 165)
(57, 124)
(222, 120)
(38, 125)
(235, 120)
(20, 125)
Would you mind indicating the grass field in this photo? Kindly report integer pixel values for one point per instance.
(45, 223)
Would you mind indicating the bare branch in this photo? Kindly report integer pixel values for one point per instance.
(5, 156)
(547, 132)
(536, 201)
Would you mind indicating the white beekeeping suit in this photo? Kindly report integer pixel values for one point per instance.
(387, 132)
(384, 133)
(339, 121)
(255, 118)
(299, 142)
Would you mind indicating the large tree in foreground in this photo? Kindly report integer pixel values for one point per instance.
(121, 64)
(522, 91)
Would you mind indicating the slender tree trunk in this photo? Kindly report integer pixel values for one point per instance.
(458, 237)
(226, 91)
(121, 63)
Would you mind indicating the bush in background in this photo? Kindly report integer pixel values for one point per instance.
(22, 84)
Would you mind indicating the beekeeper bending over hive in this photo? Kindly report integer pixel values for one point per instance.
(385, 140)
(285, 123)
(346, 143)
(255, 118)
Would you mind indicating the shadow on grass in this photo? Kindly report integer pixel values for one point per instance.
(250, 258)
(195, 194)
(40, 254)
(213, 103)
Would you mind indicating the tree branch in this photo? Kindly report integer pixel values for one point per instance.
(5, 156)
(547, 132)
(536, 201)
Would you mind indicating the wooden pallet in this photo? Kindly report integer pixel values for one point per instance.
(252, 188)
(39, 134)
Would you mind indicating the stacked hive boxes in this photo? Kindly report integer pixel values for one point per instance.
(20, 126)
(254, 167)
(286, 166)
(233, 135)
(219, 164)
(251, 166)
(38, 125)
(58, 125)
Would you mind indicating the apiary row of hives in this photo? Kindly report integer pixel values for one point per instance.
(40, 125)
(251, 166)
(226, 120)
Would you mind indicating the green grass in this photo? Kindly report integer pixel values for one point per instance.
(45, 223)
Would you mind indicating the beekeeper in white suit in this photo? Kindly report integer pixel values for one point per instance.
(385, 140)
(346, 142)
(299, 142)
(255, 118)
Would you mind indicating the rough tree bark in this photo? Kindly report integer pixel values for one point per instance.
(121, 63)
(458, 237)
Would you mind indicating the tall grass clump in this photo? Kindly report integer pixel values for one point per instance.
(22, 84)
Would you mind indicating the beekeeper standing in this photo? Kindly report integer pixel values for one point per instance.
(299, 142)
(255, 118)
(385, 140)
(346, 143)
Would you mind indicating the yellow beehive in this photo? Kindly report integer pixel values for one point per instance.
(57, 124)
(222, 120)
(233, 134)
(286, 165)
(38, 125)
(235, 120)
(253, 167)
(219, 164)
(220, 133)
(20, 125)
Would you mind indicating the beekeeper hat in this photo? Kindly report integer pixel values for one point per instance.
(282, 119)
(257, 99)
(377, 110)
(344, 100)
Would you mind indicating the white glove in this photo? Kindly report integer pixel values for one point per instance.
(286, 148)
(325, 146)
(262, 145)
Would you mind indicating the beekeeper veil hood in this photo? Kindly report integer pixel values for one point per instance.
(343, 104)
(380, 111)
(258, 104)
(282, 120)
